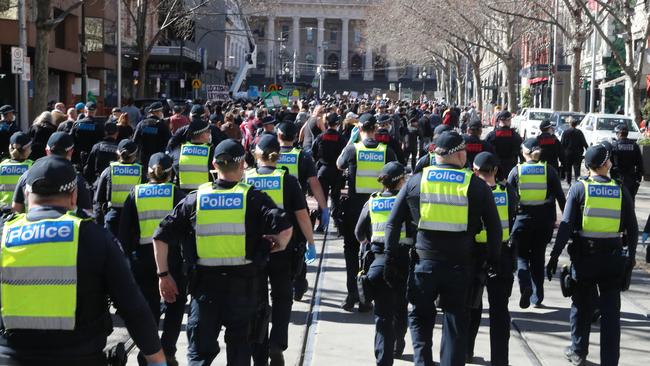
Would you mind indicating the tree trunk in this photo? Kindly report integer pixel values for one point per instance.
(42, 49)
(511, 77)
(635, 101)
(460, 85)
(142, 72)
(478, 88)
(574, 96)
(447, 83)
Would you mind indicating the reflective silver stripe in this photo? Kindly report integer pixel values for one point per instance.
(591, 234)
(190, 186)
(407, 241)
(377, 239)
(122, 187)
(220, 229)
(211, 262)
(442, 226)
(115, 205)
(532, 202)
(602, 212)
(39, 275)
(147, 240)
(368, 173)
(380, 226)
(7, 188)
(38, 322)
(193, 168)
(505, 224)
(532, 186)
(366, 190)
(443, 199)
(152, 215)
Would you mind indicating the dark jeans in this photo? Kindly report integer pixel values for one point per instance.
(429, 280)
(573, 164)
(221, 300)
(599, 278)
(391, 309)
(531, 238)
(330, 179)
(352, 211)
(499, 289)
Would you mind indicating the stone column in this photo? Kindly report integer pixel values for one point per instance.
(369, 72)
(320, 54)
(393, 73)
(270, 47)
(296, 35)
(344, 73)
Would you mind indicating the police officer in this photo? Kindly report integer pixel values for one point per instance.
(552, 149)
(114, 185)
(102, 154)
(430, 158)
(57, 312)
(538, 187)
(385, 135)
(7, 128)
(192, 159)
(86, 132)
(506, 143)
(13, 168)
(574, 144)
(151, 134)
(600, 219)
(144, 208)
(390, 303)
(473, 143)
(364, 160)
(284, 190)
(59, 144)
(627, 160)
(498, 283)
(227, 230)
(299, 164)
(450, 206)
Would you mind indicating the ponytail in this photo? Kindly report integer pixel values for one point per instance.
(158, 175)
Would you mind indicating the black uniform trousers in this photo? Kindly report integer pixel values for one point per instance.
(599, 278)
(573, 165)
(531, 236)
(221, 297)
(391, 308)
(499, 289)
(329, 177)
(351, 212)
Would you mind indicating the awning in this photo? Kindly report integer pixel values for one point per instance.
(538, 80)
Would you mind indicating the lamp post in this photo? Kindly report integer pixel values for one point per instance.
(424, 77)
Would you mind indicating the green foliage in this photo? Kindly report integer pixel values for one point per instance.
(645, 111)
(526, 98)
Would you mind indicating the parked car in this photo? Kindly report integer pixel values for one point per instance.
(599, 127)
(527, 122)
(560, 121)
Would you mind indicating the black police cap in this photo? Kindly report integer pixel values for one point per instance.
(545, 124)
(229, 151)
(155, 106)
(91, 106)
(21, 139)
(197, 126)
(127, 145)
(197, 110)
(288, 129)
(596, 156)
(268, 143)
(268, 120)
(333, 119)
(486, 161)
(60, 143)
(165, 161)
(110, 128)
(503, 115)
(475, 125)
(440, 129)
(6, 109)
(392, 172)
(621, 127)
(51, 175)
(449, 142)
(531, 145)
(384, 118)
(367, 121)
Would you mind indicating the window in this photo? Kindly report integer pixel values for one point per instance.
(94, 34)
(261, 60)
(357, 37)
(9, 9)
(333, 36)
(285, 32)
(310, 35)
(59, 31)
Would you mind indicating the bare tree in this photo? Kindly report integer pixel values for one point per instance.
(45, 24)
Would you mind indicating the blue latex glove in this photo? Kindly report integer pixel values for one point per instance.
(158, 364)
(310, 253)
(354, 136)
(325, 217)
(644, 237)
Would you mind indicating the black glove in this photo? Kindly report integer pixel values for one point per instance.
(392, 275)
(551, 267)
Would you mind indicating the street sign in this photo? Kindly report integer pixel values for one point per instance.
(217, 92)
(196, 84)
(27, 72)
(17, 60)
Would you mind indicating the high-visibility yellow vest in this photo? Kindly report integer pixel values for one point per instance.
(290, 160)
(443, 199)
(10, 172)
(193, 167)
(501, 199)
(601, 217)
(153, 202)
(370, 161)
(220, 225)
(39, 273)
(271, 184)
(123, 178)
(532, 183)
(379, 208)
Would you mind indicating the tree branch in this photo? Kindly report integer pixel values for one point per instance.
(51, 23)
